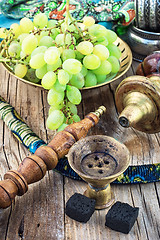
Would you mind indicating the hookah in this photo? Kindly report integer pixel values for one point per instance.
(143, 35)
(18, 180)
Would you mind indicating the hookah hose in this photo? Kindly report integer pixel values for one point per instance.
(134, 174)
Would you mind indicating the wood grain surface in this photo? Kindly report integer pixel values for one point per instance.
(40, 213)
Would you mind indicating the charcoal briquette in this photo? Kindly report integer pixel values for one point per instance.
(80, 207)
(121, 217)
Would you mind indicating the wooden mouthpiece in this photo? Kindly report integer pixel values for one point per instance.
(33, 168)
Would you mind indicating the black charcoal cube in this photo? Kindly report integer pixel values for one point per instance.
(121, 217)
(80, 207)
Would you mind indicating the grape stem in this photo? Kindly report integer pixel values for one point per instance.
(6, 42)
(13, 60)
(76, 26)
(67, 17)
(66, 20)
(38, 31)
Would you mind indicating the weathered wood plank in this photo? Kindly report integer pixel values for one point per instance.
(39, 213)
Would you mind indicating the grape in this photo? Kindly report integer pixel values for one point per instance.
(48, 80)
(111, 36)
(115, 64)
(91, 61)
(29, 44)
(60, 39)
(26, 25)
(68, 53)
(101, 51)
(63, 77)
(14, 49)
(62, 127)
(75, 118)
(84, 71)
(54, 33)
(22, 36)
(25, 56)
(72, 66)
(102, 40)
(101, 78)
(44, 33)
(52, 55)
(37, 61)
(77, 80)
(64, 56)
(70, 75)
(104, 69)
(55, 119)
(61, 49)
(3, 32)
(40, 72)
(55, 97)
(40, 49)
(71, 107)
(46, 41)
(85, 47)
(31, 76)
(91, 79)
(79, 55)
(51, 23)
(69, 39)
(114, 51)
(73, 94)
(88, 21)
(16, 29)
(40, 20)
(53, 67)
(20, 70)
(59, 87)
(97, 30)
(70, 27)
(55, 107)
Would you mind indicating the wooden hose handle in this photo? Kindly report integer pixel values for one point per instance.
(33, 168)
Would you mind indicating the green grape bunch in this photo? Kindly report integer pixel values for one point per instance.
(63, 56)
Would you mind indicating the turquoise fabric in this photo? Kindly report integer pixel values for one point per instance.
(107, 12)
(6, 22)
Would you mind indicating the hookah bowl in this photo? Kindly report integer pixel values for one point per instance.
(138, 103)
(99, 160)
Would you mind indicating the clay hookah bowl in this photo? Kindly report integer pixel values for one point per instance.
(99, 160)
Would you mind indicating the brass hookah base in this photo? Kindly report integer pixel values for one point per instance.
(99, 160)
(104, 196)
(138, 103)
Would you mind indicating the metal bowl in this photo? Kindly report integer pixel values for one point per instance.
(147, 15)
(141, 42)
(125, 63)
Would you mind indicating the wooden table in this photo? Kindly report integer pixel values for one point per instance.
(40, 213)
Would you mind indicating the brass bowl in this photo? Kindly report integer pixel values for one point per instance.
(99, 160)
(125, 63)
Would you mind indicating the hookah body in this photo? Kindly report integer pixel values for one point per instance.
(138, 103)
(34, 167)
